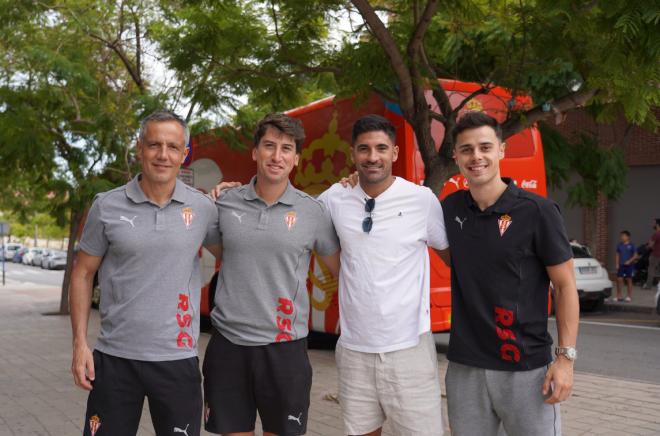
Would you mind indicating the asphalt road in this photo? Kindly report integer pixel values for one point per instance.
(25, 274)
(621, 345)
(623, 349)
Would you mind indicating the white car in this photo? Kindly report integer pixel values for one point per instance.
(10, 250)
(56, 260)
(28, 257)
(593, 282)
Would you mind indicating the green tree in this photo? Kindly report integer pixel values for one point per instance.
(71, 89)
(40, 225)
(565, 54)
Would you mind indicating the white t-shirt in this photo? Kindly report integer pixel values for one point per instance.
(384, 285)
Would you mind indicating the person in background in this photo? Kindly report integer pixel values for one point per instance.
(625, 261)
(654, 258)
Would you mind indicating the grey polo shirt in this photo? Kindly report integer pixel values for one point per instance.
(261, 296)
(149, 276)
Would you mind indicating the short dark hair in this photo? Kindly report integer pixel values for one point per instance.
(625, 232)
(285, 124)
(161, 116)
(657, 222)
(474, 120)
(373, 123)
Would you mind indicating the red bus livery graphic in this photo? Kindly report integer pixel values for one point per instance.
(284, 322)
(184, 320)
(509, 351)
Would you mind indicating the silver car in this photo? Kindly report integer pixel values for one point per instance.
(10, 250)
(56, 260)
(28, 257)
(39, 258)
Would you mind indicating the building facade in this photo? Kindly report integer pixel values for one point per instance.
(639, 205)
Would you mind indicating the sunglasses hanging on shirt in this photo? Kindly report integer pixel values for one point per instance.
(368, 222)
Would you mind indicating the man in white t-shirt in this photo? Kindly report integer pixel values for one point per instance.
(386, 355)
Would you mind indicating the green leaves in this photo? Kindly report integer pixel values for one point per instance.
(68, 102)
(598, 168)
(76, 75)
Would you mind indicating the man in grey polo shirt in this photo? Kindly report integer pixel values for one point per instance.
(257, 359)
(144, 238)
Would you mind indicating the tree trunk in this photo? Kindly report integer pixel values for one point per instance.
(74, 226)
(438, 166)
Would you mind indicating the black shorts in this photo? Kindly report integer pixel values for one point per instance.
(239, 381)
(115, 403)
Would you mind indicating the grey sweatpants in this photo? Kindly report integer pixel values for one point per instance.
(480, 400)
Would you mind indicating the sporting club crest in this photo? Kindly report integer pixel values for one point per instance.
(94, 424)
(290, 219)
(187, 215)
(504, 222)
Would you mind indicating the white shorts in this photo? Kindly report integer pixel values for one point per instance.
(402, 386)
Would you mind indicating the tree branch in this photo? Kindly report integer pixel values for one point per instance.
(416, 42)
(114, 46)
(276, 24)
(626, 136)
(91, 167)
(120, 29)
(387, 42)
(438, 117)
(138, 47)
(561, 105)
(198, 86)
(439, 94)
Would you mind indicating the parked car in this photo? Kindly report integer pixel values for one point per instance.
(592, 280)
(36, 258)
(56, 260)
(657, 300)
(28, 257)
(10, 250)
(39, 259)
(18, 256)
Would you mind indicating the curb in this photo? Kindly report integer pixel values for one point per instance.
(613, 307)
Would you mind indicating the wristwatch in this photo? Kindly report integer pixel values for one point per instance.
(568, 352)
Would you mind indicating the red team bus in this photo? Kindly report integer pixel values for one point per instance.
(325, 159)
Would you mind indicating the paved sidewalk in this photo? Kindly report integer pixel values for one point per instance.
(37, 395)
(643, 300)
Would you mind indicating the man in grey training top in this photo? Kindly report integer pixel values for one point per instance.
(256, 360)
(143, 238)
